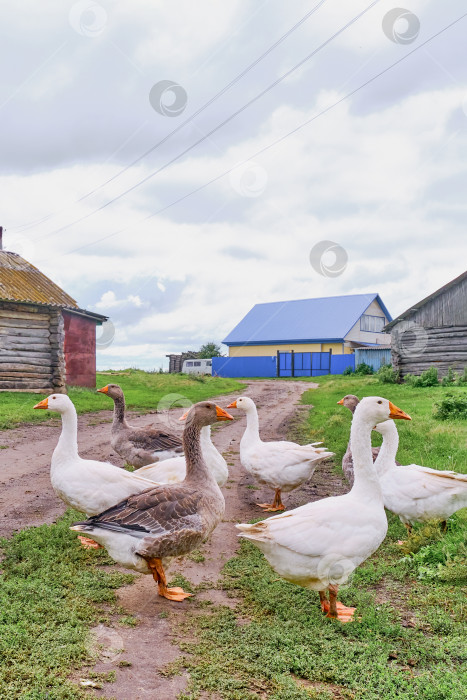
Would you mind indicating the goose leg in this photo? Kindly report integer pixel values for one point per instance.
(159, 576)
(338, 611)
(88, 543)
(324, 601)
(409, 532)
(444, 525)
(275, 505)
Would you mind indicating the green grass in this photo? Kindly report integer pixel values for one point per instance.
(143, 391)
(51, 592)
(409, 641)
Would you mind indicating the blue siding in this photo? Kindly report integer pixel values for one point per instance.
(340, 362)
(244, 366)
(306, 364)
(375, 357)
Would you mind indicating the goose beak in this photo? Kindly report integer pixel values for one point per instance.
(341, 402)
(104, 390)
(232, 405)
(222, 415)
(395, 412)
(42, 404)
(184, 415)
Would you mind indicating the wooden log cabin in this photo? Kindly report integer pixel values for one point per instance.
(433, 332)
(46, 340)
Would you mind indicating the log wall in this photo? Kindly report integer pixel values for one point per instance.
(442, 348)
(31, 348)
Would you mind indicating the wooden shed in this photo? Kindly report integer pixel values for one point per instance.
(432, 332)
(46, 339)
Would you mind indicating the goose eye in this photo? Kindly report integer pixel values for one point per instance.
(380, 402)
(208, 406)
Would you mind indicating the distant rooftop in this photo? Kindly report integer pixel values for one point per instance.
(22, 282)
(302, 320)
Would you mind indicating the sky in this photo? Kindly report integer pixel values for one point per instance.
(320, 156)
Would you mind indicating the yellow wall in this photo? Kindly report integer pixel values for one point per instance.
(269, 350)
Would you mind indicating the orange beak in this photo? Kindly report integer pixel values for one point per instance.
(184, 415)
(104, 390)
(232, 405)
(223, 415)
(397, 412)
(341, 402)
(42, 404)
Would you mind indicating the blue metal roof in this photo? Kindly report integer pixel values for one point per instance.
(302, 320)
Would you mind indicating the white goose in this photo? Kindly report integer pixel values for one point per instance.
(416, 493)
(85, 484)
(283, 466)
(318, 545)
(171, 471)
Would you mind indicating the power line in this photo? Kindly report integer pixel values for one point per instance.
(216, 128)
(277, 141)
(201, 109)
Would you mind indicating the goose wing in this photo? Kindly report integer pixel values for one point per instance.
(154, 440)
(416, 482)
(166, 517)
(332, 524)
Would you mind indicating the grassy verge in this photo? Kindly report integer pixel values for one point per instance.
(143, 391)
(51, 592)
(409, 641)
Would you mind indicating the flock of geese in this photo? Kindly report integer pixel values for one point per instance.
(173, 502)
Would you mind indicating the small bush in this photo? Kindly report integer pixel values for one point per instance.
(450, 379)
(387, 375)
(462, 378)
(363, 368)
(348, 370)
(451, 407)
(427, 378)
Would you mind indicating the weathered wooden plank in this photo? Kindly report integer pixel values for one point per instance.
(24, 315)
(31, 384)
(31, 357)
(9, 367)
(22, 362)
(20, 323)
(25, 347)
(26, 332)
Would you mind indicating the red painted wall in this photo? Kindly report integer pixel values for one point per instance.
(80, 350)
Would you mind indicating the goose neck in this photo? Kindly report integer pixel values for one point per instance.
(252, 425)
(119, 412)
(366, 481)
(387, 454)
(67, 446)
(196, 467)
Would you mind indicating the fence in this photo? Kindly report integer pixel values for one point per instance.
(375, 357)
(286, 364)
(244, 366)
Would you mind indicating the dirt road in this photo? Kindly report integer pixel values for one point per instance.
(26, 498)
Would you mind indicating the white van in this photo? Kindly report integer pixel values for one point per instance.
(197, 367)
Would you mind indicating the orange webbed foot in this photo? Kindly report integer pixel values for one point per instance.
(177, 594)
(271, 507)
(344, 614)
(88, 543)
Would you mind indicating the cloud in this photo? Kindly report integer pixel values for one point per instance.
(382, 174)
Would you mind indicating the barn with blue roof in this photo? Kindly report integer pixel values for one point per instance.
(333, 325)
